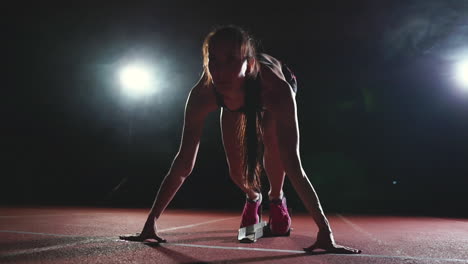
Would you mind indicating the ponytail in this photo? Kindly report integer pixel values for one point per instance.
(251, 136)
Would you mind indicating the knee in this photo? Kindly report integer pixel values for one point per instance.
(296, 175)
(236, 176)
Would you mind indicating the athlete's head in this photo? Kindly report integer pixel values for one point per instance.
(229, 55)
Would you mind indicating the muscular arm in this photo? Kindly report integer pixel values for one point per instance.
(197, 108)
(280, 101)
(282, 104)
(196, 111)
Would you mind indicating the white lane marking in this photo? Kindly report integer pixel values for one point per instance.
(410, 258)
(192, 225)
(36, 233)
(162, 230)
(41, 215)
(305, 253)
(30, 251)
(166, 229)
(372, 237)
(42, 249)
(234, 248)
(359, 229)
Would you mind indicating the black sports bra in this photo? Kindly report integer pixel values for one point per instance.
(288, 75)
(220, 102)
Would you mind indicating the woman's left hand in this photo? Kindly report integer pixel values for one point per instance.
(326, 241)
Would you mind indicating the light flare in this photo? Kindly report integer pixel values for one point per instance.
(461, 74)
(137, 81)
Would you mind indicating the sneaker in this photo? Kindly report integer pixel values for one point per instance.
(252, 212)
(280, 221)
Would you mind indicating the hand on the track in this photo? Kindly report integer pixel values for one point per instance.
(148, 233)
(327, 242)
(141, 237)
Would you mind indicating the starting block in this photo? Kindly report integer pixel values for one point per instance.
(250, 234)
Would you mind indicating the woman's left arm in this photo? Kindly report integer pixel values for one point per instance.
(282, 104)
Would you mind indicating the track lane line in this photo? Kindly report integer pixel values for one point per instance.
(306, 253)
(42, 215)
(197, 224)
(37, 233)
(113, 239)
(89, 240)
(48, 248)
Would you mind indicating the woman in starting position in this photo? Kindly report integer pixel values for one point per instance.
(259, 131)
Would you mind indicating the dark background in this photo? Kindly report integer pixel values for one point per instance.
(383, 125)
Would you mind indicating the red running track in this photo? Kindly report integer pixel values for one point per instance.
(90, 235)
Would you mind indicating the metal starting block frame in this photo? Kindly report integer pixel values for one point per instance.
(250, 234)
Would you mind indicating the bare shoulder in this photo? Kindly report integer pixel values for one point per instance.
(276, 92)
(270, 68)
(201, 98)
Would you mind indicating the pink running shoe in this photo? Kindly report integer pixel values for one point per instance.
(280, 221)
(252, 212)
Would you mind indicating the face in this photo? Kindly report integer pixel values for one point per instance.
(226, 65)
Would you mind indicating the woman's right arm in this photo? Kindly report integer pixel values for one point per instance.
(196, 111)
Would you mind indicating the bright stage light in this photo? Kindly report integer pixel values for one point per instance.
(461, 74)
(137, 81)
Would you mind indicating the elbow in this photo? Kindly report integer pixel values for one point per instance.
(183, 171)
(294, 171)
(182, 168)
(292, 164)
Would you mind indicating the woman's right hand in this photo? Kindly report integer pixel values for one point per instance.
(148, 233)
